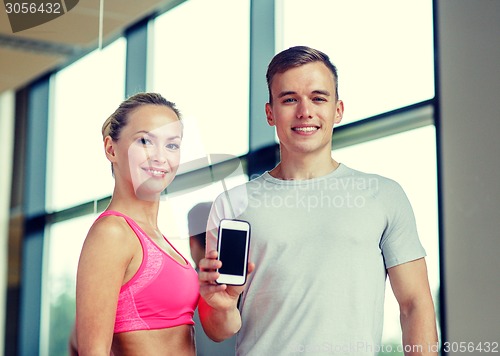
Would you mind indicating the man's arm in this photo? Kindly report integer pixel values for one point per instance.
(410, 285)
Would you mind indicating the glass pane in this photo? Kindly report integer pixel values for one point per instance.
(65, 240)
(383, 49)
(173, 214)
(201, 62)
(410, 159)
(87, 92)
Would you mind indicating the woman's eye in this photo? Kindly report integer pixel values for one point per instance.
(173, 146)
(144, 141)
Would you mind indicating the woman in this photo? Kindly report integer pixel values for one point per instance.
(135, 293)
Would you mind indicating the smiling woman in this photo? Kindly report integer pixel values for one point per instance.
(127, 266)
(144, 143)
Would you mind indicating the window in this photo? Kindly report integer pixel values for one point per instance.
(410, 159)
(383, 49)
(66, 240)
(87, 92)
(6, 166)
(384, 54)
(61, 262)
(173, 214)
(78, 173)
(202, 64)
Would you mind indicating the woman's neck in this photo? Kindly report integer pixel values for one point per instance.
(138, 209)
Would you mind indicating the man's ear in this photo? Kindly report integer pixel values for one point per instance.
(339, 114)
(269, 114)
(109, 149)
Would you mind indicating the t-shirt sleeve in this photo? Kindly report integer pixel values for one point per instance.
(227, 205)
(220, 210)
(400, 242)
(212, 226)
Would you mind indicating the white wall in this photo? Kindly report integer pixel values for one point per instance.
(469, 52)
(6, 146)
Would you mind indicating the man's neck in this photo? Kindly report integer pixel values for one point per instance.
(305, 167)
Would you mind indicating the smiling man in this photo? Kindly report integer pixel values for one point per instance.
(324, 237)
(303, 107)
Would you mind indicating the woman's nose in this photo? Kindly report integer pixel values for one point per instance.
(158, 154)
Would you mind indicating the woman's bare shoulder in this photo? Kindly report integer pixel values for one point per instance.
(111, 230)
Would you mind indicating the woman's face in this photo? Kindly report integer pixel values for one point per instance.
(148, 150)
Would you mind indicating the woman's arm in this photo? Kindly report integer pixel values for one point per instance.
(217, 308)
(104, 260)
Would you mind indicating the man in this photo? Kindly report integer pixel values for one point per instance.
(324, 237)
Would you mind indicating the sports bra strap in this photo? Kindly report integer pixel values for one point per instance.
(137, 229)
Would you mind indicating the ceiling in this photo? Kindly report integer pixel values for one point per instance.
(28, 54)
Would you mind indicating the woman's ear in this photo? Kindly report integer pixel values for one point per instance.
(109, 149)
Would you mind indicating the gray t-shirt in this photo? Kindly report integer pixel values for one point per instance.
(321, 249)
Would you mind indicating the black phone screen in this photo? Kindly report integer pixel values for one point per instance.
(232, 251)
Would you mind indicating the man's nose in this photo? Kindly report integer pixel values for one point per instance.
(304, 110)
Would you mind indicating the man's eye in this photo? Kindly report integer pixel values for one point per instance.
(319, 99)
(289, 100)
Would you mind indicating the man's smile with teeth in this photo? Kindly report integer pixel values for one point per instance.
(305, 128)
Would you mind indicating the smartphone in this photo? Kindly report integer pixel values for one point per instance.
(233, 246)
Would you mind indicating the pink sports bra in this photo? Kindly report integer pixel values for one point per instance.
(162, 294)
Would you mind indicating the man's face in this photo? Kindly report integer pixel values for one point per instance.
(304, 109)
